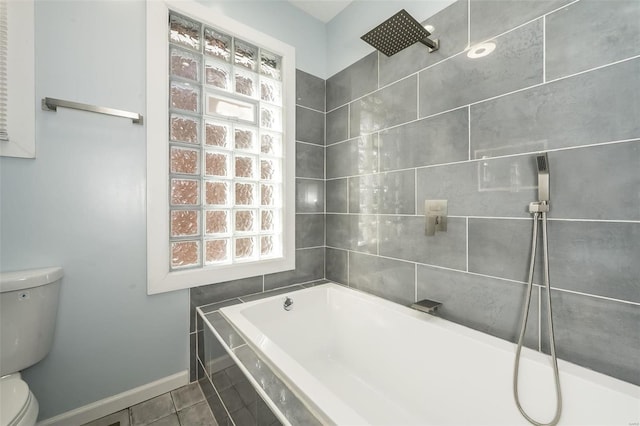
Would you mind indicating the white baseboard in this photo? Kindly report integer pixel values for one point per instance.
(106, 406)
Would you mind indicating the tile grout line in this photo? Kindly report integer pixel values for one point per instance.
(415, 189)
(544, 49)
(309, 143)
(526, 218)
(568, 148)
(468, 24)
(348, 271)
(467, 238)
(309, 108)
(417, 96)
(469, 129)
(415, 282)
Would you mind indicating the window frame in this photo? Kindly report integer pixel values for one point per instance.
(21, 111)
(160, 278)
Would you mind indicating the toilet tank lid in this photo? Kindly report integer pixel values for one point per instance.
(28, 278)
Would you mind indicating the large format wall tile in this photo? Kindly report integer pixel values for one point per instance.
(309, 230)
(596, 258)
(353, 157)
(482, 303)
(357, 80)
(492, 187)
(598, 106)
(352, 232)
(336, 195)
(336, 267)
(450, 25)
(440, 139)
(309, 267)
(596, 333)
(385, 193)
(502, 248)
(403, 237)
(388, 278)
(309, 196)
(392, 105)
(590, 257)
(488, 18)
(212, 293)
(515, 63)
(573, 31)
(585, 186)
(309, 161)
(309, 91)
(337, 122)
(309, 126)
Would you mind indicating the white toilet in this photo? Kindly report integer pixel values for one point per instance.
(28, 306)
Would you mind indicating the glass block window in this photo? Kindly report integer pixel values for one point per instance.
(225, 121)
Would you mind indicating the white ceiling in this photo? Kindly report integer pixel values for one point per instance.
(324, 10)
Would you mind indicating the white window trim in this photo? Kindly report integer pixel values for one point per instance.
(21, 115)
(159, 277)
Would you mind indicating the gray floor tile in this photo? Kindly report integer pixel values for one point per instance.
(220, 380)
(247, 392)
(231, 399)
(243, 417)
(120, 418)
(170, 420)
(197, 415)
(235, 374)
(154, 409)
(187, 396)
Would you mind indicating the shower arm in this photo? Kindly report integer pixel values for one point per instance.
(431, 44)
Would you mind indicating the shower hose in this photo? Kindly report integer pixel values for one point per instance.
(552, 342)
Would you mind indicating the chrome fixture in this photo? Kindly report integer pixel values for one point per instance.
(399, 32)
(288, 304)
(426, 305)
(436, 216)
(51, 104)
(539, 210)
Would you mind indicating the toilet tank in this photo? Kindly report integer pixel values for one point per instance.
(28, 307)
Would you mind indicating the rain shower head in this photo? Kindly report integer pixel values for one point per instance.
(399, 32)
(543, 177)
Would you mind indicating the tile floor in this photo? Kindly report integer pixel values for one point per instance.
(241, 401)
(185, 406)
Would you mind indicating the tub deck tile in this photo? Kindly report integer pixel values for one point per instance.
(231, 338)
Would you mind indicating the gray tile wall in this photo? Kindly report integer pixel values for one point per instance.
(422, 126)
(310, 212)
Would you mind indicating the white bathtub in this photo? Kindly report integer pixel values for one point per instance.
(356, 359)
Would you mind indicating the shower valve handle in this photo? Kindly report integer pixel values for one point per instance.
(538, 207)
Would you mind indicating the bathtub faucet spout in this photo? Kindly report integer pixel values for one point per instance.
(426, 305)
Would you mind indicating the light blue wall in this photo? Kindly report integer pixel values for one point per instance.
(344, 46)
(81, 205)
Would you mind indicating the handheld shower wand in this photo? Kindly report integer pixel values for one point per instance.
(539, 209)
(542, 205)
(543, 177)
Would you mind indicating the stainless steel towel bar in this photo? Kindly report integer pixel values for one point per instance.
(51, 104)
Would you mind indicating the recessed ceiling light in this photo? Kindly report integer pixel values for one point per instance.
(482, 49)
